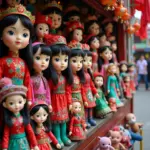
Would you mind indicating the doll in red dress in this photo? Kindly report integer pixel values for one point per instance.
(40, 121)
(60, 81)
(77, 126)
(17, 132)
(15, 50)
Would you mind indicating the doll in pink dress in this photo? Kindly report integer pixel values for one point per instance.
(39, 84)
(17, 132)
(40, 121)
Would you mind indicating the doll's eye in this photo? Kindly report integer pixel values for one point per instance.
(37, 57)
(44, 115)
(20, 102)
(66, 60)
(11, 103)
(41, 29)
(25, 35)
(74, 61)
(37, 116)
(10, 32)
(46, 29)
(47, 59)
(57, 59)
(59, 19)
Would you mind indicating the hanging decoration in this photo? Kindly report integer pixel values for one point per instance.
(109, 4)
(136, 26)
(130, 30)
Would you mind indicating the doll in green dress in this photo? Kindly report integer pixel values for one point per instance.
(102, 108)
(113, 88)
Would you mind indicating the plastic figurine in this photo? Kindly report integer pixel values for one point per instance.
(39, 84)
(113, 88)
(74, 31)
(114, 49)
(54, 11)
(60, 81)
(16, 120)
(104, 144)
(77, 126)
(123, 68)
(116, 137)
(15, 51)
(42, 26)
(102, 108)
(40, 121)
(90, 89)
(31, 7)
(102, 39)
(94, 44)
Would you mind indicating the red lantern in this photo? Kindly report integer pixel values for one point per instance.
(130, 29)
(120, 11)
(136, 26)
(110, 4)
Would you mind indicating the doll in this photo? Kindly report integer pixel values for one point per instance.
(42, 26)
(54, 11)
(60, 81)
(114, 49)
(102, 39)
(102, 108)
(123, 68)
(16, 119)
(89, 88)
(40, 121)
(15, 50)
(113, 88)
(74, 31)
(31, 7)
(94, 44)
(77, 126)
(39, 84)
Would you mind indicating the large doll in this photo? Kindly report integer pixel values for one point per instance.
(113, 88)
(94, 44)
(17, 133)
(15, 45)
(60, 81)
(90, 89)
(54, 11)
(102, 108)
(40, 121)
(39, 84)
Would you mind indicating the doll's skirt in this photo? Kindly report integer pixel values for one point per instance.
(45, 146)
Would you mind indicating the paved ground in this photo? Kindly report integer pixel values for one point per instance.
(142, 111)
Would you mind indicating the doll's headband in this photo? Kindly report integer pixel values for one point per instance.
(36, 43)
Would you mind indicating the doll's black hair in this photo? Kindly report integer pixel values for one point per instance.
(47, 124)
(8, 115)
(26, 53)
(91, 39)
(102, 34)
(70, 14)
(100, 60)
(78, 52)
(56, 50)
(52, 10)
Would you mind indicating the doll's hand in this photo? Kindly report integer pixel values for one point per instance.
(108, 91)
(97, 95)
(50, 108)
(70, 133)
(70, 107)
(58, 146)
(85, 103)
(36, 148)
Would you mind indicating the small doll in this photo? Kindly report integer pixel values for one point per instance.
(42, 26)
(15, 51)
(60, 81)
(116, 137)
(39, 84)
(16, 120)
(102, 108)
(102, 39)
(31, 7)
(89, 88)
(54, 11)
(114, 49)
(74, 31)
(94, 44)
(77, 126)
(40, 121)
(123, 68)
(113, 88)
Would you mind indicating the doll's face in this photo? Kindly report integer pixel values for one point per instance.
(87, 62)
(103, 38)
(41, 61)
(74, 18)
(127, 79)
(60, 62)
(76, 107)
(106, 55)
(95, 44)
(109, 28)
(114, 46)
(77, 35)
(56, 20)
(131, 69)
(94, 29)
(124, 68)
(12, 3)
(14, 103)
(41, 30)
(113, 69)
(98, 81)
(16, 36)
(76, 63)
(131, 118)
(40, 116)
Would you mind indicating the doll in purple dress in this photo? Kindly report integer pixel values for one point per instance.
(39, 84)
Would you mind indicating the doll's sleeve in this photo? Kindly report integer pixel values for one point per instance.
(108, 83)
(27, 84)
(83, 93)
(5, 139)
(30, 135)
(94, 90)
(53, 138)
(71, 124)
(68, 94)
(48, 93)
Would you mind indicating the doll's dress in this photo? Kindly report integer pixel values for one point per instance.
(102, 107)
(94, 60)
(44, 139)
(128, 90)
(40, 89)
(132, 82)
(77, 127)
(60, 100)
(112, 86)
(15, 137)
(13, 67)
